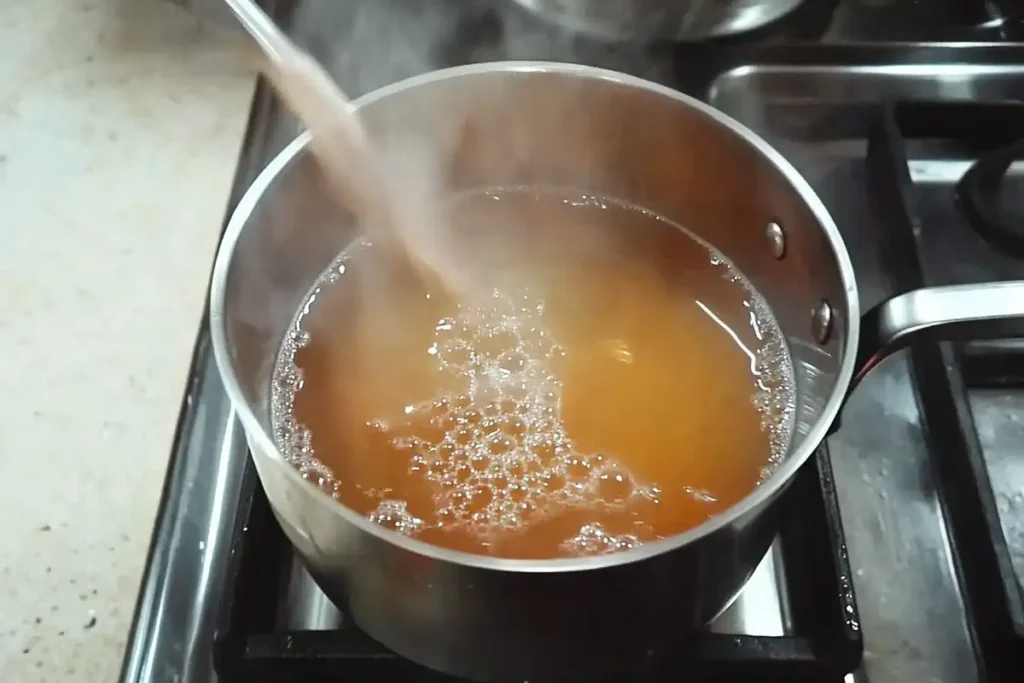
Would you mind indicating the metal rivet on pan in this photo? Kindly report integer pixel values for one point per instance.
(821, 322)
(776, 239)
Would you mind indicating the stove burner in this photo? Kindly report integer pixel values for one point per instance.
(979, 197)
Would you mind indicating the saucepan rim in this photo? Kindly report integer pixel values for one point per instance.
(240, 218)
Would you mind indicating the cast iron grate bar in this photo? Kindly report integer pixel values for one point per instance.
(828, 644)
(991, 591)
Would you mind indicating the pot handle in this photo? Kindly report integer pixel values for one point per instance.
(981, 311)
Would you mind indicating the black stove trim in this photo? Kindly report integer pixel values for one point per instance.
(993, 598)
(248, 647)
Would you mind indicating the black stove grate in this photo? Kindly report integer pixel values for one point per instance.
(942, 372)
(826, 643)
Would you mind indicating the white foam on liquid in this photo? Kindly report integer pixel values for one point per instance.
(505, 459)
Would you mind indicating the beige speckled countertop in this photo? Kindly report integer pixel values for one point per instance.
(120, 125)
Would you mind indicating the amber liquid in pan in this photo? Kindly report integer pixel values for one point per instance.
(611, 382)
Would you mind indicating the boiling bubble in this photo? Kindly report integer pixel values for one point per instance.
(504, 445)
(592, 539)
(394, 515)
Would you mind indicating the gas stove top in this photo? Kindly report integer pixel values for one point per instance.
(902, 552)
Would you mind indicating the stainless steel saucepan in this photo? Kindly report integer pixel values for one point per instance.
(605, 133)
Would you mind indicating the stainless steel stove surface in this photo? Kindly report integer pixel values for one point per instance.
(926, 463)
